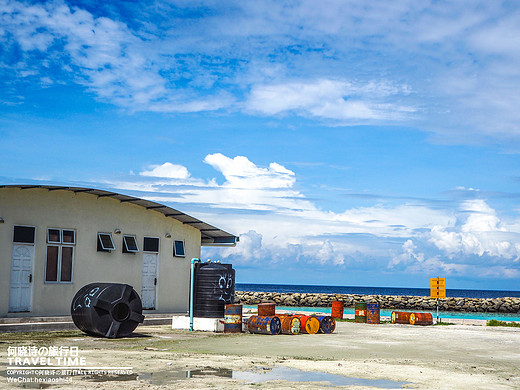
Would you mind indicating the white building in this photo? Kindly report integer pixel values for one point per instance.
(54, 240)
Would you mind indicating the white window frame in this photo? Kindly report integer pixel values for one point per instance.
(101, 242)
(125, 245)
(158, 246)
(60, 246)
(60, 237)
(68, 243)
(175, 248)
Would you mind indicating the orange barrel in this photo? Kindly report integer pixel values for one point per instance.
(373, 316)
(327, 324)
(290, 324)
(360, 311)
(337, 309)
(233, 319)
(400, 317)
(421, 319)
(264, 325)
(266, 309)
(309, 324)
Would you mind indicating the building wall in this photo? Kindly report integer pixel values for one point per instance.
(88, 215)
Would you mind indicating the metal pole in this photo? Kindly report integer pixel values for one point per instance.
(437, 309)
(192, 283)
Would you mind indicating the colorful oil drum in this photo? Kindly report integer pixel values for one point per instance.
(360, 310)
(373, 313)
(233, 319)
(421, 319)
(264, 325)
(327, 324)
(309, 324)
(337, 309)
(290, 324)
(400, 317)
(266, 309)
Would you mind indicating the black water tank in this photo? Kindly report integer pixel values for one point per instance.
(107, 309)
(214, 288)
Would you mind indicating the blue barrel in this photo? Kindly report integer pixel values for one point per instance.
(373, 316)
(233, 319)
(327, 324)
(264, 325)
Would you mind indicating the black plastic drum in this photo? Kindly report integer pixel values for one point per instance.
(107, 309)
(214, 288)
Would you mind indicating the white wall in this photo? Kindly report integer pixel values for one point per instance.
(88, 215)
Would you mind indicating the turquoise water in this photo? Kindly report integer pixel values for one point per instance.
(387, 313)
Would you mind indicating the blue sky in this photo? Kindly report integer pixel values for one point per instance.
(351, 143)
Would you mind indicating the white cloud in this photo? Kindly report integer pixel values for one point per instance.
(479, 233)
(329, 99)
(169, 170)
(343, 64)
(277, 223)
(242, 173)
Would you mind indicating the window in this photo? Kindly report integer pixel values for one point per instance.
(130, 244)
(24, 234)
(151, 244)
(178, 248)
(105, 242)
(60, 255)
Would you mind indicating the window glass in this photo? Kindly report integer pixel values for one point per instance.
(69, 236)
(53, 235)
(151, 244)
(105, 239)
(178, 248)
(51, 272)
(24, 234)
(130, 244)
(66, 263)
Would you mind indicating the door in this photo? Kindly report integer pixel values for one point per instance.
(148, 292)
(20, 291)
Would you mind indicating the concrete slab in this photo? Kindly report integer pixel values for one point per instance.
(199, 323)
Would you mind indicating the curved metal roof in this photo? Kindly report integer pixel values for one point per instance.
(210, 235)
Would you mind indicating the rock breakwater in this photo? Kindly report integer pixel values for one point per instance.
(491, 305)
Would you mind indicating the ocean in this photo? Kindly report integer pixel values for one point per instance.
(296, 288)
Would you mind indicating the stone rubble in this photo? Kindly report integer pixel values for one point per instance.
(482, 305)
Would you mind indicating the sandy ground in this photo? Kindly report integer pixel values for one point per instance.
(386, 356)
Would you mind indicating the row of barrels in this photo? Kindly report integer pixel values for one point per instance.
(405, 317)
(290, 324)
(369, 313)
(268, 322)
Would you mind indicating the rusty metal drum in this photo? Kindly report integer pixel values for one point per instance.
(400, 317)
(337, 309)
(264, 325)
(233, 319)
(360, 311)
(309, 324)
(421, 319)
(327, 324)
(373, 313)
(266, 309)
(289, 324)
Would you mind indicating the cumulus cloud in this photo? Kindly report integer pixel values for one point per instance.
(169, 170)
(277, 223)
(239, 172)
(478, 243)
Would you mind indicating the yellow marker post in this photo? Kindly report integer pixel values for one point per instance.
(437, 290)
